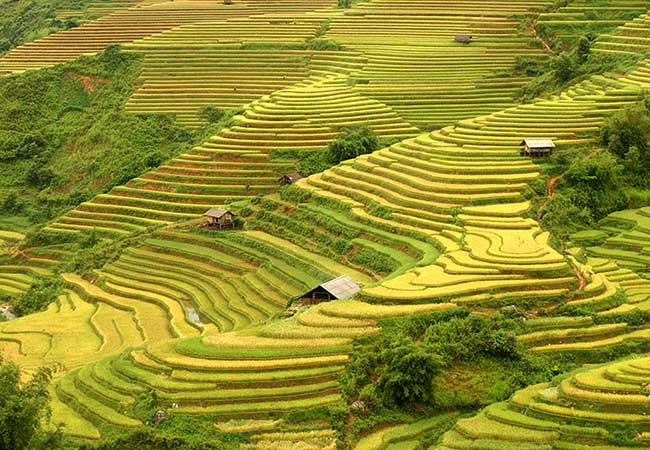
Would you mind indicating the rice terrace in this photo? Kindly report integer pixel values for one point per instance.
(324, 224)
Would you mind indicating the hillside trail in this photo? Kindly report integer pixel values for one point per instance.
(532, 28)
(550, 192)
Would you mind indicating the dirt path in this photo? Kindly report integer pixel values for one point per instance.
(532, 28)
(549, 194)
(581, 277)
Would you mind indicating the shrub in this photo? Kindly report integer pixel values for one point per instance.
(40, 294)
(22, 408)
(407, 378)
(352, 142)
(211, 113)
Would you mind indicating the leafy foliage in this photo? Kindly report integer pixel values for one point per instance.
(570, 66)
(26, 20)
(408, 376)
(596, 182)
(40, 294)
(65, 135)
(22, 407)
(352, 142)
(627, 136)
(211, 113)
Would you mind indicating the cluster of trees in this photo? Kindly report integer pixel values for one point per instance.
(596, 182)
(65, 135)
(554, 73)
(26, 20)
(404, 368)
(352, 142)
(24, 408)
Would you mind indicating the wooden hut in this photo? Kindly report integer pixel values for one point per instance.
(340, 288)
(227, 2)
(537, 147)
(220, 218)
(290, 178)
(464, 38)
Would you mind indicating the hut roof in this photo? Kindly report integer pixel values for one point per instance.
(293, 177)
(538, 143)
(217, 213)
(463, 37)
(342, 287)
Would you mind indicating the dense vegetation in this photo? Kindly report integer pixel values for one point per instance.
(23, 410)
(551, 74)
(27, 20)
(596, 181)
(180, 334)
(352, 142)
(65, 135)
(423, 364)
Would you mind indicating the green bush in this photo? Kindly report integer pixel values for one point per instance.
(211, 113)
(24, 408)
(590, 188)
(41, 293)
(627, 136)
(352, 142)
(407, 378)
(62, 141)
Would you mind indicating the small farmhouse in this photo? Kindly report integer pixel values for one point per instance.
(220, 218)
(464, 38)
(340, 288)
(290, 178)
(537, 147)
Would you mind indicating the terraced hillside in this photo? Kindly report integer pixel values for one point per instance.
(129, 24)
(490, 256)
(173, 285)
(622, 238)
(568, 23)
(282, 366)
(438, 81)
(415, 66)
(576, 411)
(631, 38)
(435, 221)
(237, 163)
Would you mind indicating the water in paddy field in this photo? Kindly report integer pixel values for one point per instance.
(5, 311)
(193, 315)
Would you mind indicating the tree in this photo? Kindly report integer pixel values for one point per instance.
(584, 48)
(22, 406)
(564, 67)
(595, 183)
(352, 142)
(627, 135)
(407, 378)
(211, 113)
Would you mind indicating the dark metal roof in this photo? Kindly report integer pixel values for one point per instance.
(342, 287)
(217, 213)
(293, 177)
(538, 143)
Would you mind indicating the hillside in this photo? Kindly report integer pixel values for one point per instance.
(503, 299)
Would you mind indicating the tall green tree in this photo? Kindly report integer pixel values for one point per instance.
(23, 406)
(352, 142)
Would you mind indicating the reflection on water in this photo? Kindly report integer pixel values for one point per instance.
(193, 316)
(5, 311)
